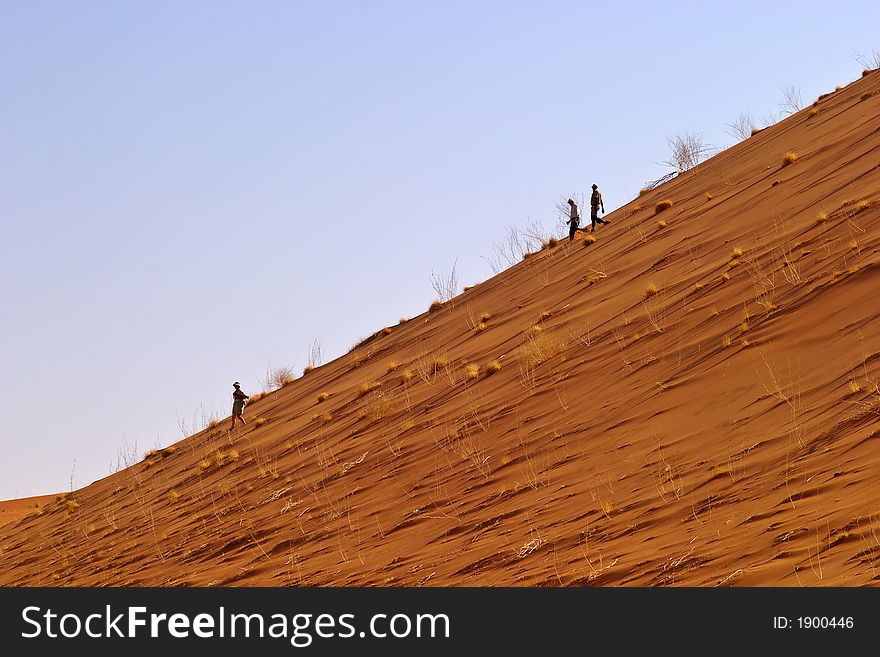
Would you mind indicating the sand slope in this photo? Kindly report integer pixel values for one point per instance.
(11, 510)
(720, 428)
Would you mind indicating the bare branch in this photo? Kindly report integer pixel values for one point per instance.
(869, 62)
(688, 150)
(742, 127)
(791, 100)
(316, 354)
(446, 287)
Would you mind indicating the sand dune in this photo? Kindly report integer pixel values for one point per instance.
(11, 510)
(689, 404)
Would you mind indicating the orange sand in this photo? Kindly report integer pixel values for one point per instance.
(723, 431)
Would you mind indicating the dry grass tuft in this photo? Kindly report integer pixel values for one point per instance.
(435, 306)
(589, 238)
(405, 376)
(387, 330)
(482, 326)
(789, 158)
(698, 287)
(439, 364)
(260, 421)
(471, 371)
(652, 290)
(534, 330)
(173, 497)
(307, 369)
(538, 349)
(234, 455)
(256, 397)
(368, 387)
(327, 417)
(709, 196)
(736, 253)
(661, 224)
(814, 111)
(485, 317)
(854, 386)
(665, 204)
(492, 367)
(822, 217)
(726, 342)
(725, 277)
(72, 505)
(323, 396)
(546, 315)
(391, 366)
(863, 205)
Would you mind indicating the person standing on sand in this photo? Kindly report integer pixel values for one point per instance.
(574, 219)
(238, 400)
(595, 204)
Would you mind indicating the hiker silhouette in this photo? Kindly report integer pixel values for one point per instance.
(238, 401)
(574, 219)
(596, 203)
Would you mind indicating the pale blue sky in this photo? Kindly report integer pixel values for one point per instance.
(190, 191)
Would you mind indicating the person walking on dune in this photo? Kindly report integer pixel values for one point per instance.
(574, 219)
(238, 401)
(595, 204)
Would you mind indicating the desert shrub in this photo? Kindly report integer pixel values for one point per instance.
(368, 387)
(471, 371)
(789, 158)
(688, 150)
(279, 377)
(324, 396)
(742, 127)
(492, 367)
(663, 205)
